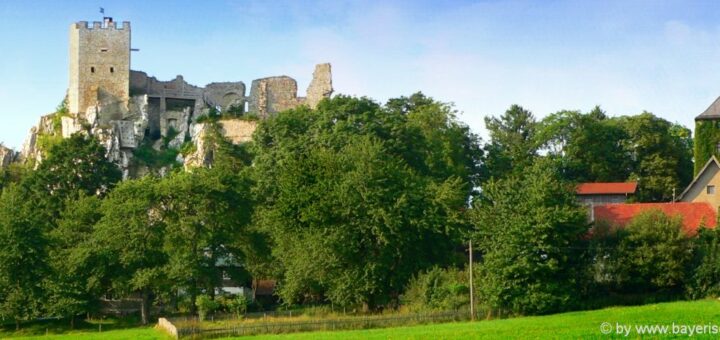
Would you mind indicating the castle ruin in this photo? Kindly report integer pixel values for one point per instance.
(125, 109)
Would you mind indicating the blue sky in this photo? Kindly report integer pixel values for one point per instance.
(627, 56)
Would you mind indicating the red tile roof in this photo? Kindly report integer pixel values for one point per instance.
(693, 213)
(601, 188)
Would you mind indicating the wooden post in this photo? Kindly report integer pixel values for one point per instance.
(472, 289)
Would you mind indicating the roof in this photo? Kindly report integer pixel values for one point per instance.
(693, 213)
(712, 112)
(710, 161)
(264, 287)
(606, 188)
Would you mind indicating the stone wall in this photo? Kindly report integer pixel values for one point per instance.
(237, 130)
(273, 94)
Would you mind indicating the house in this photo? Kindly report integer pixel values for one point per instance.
(694, 214)
(705, 185)
(593, 194)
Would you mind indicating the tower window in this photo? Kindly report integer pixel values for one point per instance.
(112, 70)
(710, 190)
(92, 69)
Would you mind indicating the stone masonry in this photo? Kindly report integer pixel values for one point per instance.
(126, 109)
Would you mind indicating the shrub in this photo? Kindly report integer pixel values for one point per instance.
(238, 305)
(652, 254)
(705, 277)
(437, 289)
(205, 305)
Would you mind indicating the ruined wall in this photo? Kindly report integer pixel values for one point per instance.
(321, 85)
(127, 109)
(6, 156)
(99, 66)
(273, 94)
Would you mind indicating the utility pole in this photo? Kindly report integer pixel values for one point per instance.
(472, 289)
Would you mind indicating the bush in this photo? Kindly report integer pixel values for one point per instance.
(205, 305)
(437, 289)
(238, 305)
(653, 253)
(705, 277)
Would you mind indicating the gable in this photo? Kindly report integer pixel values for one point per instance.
(697, 191)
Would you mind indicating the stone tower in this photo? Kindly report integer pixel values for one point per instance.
(99, 66)
(707, 135)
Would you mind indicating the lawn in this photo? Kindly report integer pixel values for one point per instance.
(112, 328)
(146, 333)
(573, 325)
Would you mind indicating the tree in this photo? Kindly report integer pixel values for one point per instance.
(528, 229)
(77, 272)
(513, 144)
(130, 237)
(588, 146)
(207, 212)
(74, 165)
(653, 253)
(661, 156)
(23, 256)
(352, 190)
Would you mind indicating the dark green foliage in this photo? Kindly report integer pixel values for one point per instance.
(513, 143)
(14, 173)
(75, 285)
(652, 253)
(352, 191)
(76, 165)
(644, 148)
(704, 280)
(145, 154)
(131, 238)
(23, 256)
(528, 231)
(660, 153)
(587, 146)
(707, 139)
(207, 213)
(437, 289)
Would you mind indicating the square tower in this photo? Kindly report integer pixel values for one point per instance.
(99, 65)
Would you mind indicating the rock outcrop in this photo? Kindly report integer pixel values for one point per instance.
(7, 156)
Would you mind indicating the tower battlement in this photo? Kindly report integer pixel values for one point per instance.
(108, 24)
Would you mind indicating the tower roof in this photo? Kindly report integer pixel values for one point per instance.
(712, 112)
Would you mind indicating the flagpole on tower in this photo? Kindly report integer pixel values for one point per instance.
(102, 11)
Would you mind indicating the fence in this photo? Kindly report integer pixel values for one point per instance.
(190, 329)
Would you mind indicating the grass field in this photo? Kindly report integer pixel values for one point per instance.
(147, 333)
(575, 325)
(112, 328)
